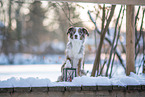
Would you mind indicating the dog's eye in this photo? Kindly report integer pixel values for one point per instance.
(79, 30)
(73, 32)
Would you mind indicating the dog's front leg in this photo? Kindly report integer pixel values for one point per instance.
(76, 64)
(79, 67)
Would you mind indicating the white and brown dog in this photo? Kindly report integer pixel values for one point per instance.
(75, 48)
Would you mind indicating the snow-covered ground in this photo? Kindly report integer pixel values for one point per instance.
(133, 79)
(46, 75)
(50, 71)
(36, 71)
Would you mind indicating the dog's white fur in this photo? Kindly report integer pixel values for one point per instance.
(75, 51)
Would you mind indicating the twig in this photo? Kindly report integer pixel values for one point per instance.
(96, 28)
(103, 18)
(103, 67)
(143, 44)
(136, 18)
(71, 23)
(68, 11)
(93, 22)
(116, 43)
(137, 41)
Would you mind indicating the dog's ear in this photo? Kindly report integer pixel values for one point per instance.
(69, 30)
(85, 31)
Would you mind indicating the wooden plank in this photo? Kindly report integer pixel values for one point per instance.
(57, 88)
(134, 87)
(73, 88)
(130, 40)
(6, 90)
(123, 2)
(119, 88)
(89, 88)
(39, 89)
(22, 89)
(143, 87)
(105, 87)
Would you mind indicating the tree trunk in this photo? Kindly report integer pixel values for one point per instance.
(9, 12)
(19, 26)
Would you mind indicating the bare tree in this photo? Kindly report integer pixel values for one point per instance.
(19, 26)
(112, 46)
(119, 28)
(109, 42)
(98, 53)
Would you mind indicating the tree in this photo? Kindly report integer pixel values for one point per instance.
(98, 53)
(19, 26)
(35, 28)
(8, 42)
(65, 16)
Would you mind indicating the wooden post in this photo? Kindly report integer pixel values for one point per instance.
(130, 40)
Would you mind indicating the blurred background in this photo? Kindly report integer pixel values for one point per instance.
(34, 32)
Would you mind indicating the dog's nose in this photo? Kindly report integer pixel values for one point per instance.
(76, 36)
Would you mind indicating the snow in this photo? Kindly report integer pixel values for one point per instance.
(139, 78)
(54, 84)
(133, 79)
(84, 81)
(124, 81)
(28, 82)
(91, 81)
(25, 71)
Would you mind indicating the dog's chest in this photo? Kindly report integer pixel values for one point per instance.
(75, 47)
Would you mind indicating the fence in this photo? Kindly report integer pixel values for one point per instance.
(73, 91)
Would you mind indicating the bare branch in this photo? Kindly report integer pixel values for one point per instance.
(136, 18)
(98, 53)
(71, 23)
(116, 42)
(140, 33)
(112, 46)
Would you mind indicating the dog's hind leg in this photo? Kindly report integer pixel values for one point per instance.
(65, 63)
(63, 66)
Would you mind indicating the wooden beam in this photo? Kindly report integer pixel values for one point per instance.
(130, 39)
(123, 2)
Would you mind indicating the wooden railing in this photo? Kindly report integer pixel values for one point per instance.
(72, 91)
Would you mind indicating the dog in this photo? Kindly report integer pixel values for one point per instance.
(75, 49)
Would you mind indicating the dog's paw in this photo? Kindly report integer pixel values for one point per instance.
(59, 79)
(68, 64)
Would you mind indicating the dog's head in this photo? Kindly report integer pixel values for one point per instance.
(78, 33)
